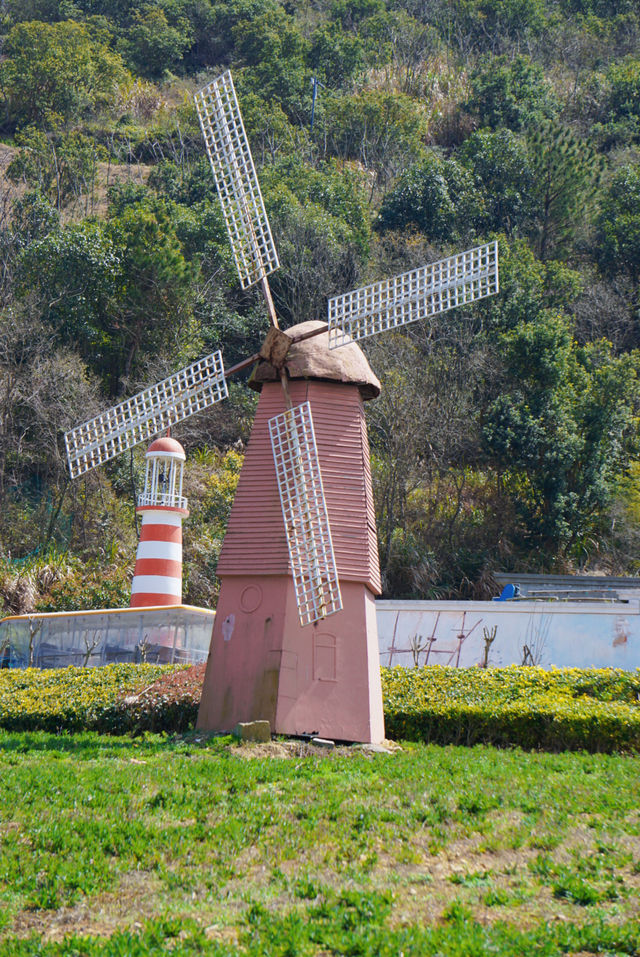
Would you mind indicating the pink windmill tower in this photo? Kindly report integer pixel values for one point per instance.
(157, 579)
(295, 637)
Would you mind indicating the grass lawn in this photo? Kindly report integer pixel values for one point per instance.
(141, 846)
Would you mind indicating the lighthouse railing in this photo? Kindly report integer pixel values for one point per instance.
(149, 499)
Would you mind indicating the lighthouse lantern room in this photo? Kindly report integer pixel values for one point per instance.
(163, 477)
(157, 579)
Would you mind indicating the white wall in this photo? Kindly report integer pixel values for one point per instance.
(560, 634)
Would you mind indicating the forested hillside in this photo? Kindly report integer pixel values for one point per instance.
(506, 436)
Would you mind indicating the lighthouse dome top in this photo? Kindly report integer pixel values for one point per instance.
(166, 447)
(312, 359)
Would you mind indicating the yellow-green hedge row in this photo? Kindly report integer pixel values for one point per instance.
(562, 709)
(105, 699)
(588, 709)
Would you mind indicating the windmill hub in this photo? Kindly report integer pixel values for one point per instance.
(275, 348)
(312, 359)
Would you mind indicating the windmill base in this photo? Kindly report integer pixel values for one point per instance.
(321, 679)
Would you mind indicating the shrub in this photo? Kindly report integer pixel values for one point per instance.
(565, 709)
(115, 699)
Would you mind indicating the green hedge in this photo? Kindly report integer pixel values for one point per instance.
(112, 700)
(564, 709)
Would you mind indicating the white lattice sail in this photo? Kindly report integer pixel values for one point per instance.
(305, 514)
(414, 295)
(235, 176)
(144, 415)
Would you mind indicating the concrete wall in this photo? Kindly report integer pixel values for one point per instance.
(556, 634)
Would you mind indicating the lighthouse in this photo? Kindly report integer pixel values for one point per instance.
(157, 579)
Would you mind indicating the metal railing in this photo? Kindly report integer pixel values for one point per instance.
(162, 500)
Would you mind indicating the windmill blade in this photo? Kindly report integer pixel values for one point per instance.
(305, 514)
(192, 389)
(414, 295)
(235, 176)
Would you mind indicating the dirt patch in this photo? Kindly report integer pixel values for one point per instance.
(303, 748)
(137, 898)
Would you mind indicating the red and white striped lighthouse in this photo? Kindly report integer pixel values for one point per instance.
(157, 579)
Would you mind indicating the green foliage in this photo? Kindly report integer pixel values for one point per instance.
(213, 28)
(60, 167)
(438, 197)
(395, 40)
(87, 586)
(435, 124)
(528, 287)
(53, 73)
(273, 136)
(566, 709)
(500, 24)
(75, 699)
(618, 228)
(155, 45)
(337, 58)
(624, 99)
(34, 217)
(504, 176)
(337, 190)
(562, 426)
(118, 290)
(211, 485)
(320, 222)
(508, 92)
(384, 131)
(272, 46)
(567, 172)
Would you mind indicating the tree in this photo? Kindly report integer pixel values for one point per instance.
(318, 256)
(528, 288)
(617, 240)
(438, 197)
(33, 217)
(337, 58)
(567, 173)
(272, 135)
(44, 390)
(154, 45)
(435, 509)
(62, 167)
(117, 291)
(212, 25)
(153, 307)
(72, 275)
(383, 131)
(502, 169)
(560, 429)
(509, 92)
(53, 73)
(624, 98)
(275, 54)
(338, 190)
(398, 39)
(321, 225)
(499, 24)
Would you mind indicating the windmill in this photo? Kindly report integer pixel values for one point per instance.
(296, 552)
